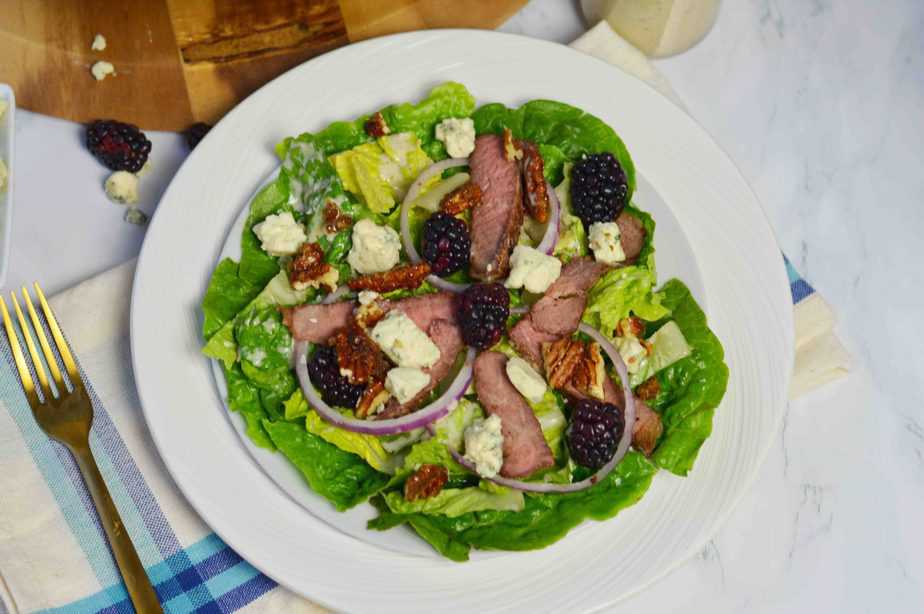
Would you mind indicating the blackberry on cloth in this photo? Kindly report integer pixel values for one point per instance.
(119, 146)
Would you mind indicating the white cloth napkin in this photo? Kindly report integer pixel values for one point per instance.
(51, 553)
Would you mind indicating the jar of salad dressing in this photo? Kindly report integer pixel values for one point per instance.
(658, 28)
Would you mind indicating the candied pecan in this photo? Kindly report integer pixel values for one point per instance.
(426, 482)
(375, 126)
(532, 168)
(308, 268)
(463, 197)
(406, 277)
(334, 219)
(560, 359)
(511, 151)
(648, 389)
(358, 357)
(374, 397)
(574, 366)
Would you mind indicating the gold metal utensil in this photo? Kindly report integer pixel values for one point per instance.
(65, 416)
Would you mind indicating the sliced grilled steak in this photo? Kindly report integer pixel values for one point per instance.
(497, 218)
(648, 425)
(448, 339)
(559, 311)
(525, 450)
(316, 323)
(631, 235)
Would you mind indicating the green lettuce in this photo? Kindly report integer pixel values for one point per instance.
(223, 345)
(382, 171)
(432, 452)
(544, 520)
(244, 398)
(691, 388)
(619, 292)
(265, 346)
(556, 124)
(367, 447)
(341, 477)
(453, 502)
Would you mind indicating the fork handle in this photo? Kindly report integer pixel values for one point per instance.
(136, 579)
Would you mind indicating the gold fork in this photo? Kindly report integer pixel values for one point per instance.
(66, 418)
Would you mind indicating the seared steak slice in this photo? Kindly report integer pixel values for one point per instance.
(316, 323)
(558, 313)
(525, 450)
(631, 235)
(497, 218)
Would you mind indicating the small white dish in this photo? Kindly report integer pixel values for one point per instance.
(7, 139)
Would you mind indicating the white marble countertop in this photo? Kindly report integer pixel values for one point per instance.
(821, 104)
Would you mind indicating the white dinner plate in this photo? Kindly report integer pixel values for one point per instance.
(711, 231)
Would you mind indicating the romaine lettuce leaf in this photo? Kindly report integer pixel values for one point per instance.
(453, 502)
(691, 388)
(341, 477)
(265, 346)
(367, 447)
(544, 520)
(381, 172)
(244, 398)
(619, 292)
(222, 345)
(431, 452)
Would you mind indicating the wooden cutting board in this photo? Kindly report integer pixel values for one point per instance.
(182, 61)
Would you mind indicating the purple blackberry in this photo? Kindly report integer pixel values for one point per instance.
(599, 191)
(483, 312)
(335, 389)
(594, 432)
(196, 133)
(445, 244)
(121, 147)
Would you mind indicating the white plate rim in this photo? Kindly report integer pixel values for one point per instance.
(760, 258)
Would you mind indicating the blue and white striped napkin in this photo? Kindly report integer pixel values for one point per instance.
(53, 553)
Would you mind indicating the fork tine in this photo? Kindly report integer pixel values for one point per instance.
(36, 360)
(43, 342)
(63, 348)
(21, 366)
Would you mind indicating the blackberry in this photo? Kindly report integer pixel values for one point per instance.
(196, 133)
(335, 389)
(121, 147)
(599, 191)
(483, 312)
(445, 244)
(594, 432)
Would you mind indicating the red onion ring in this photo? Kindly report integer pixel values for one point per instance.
(550, 238)
(621, 448)
(422, 417)
(406, 240)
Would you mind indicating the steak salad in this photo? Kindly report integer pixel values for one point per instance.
(452, 312)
